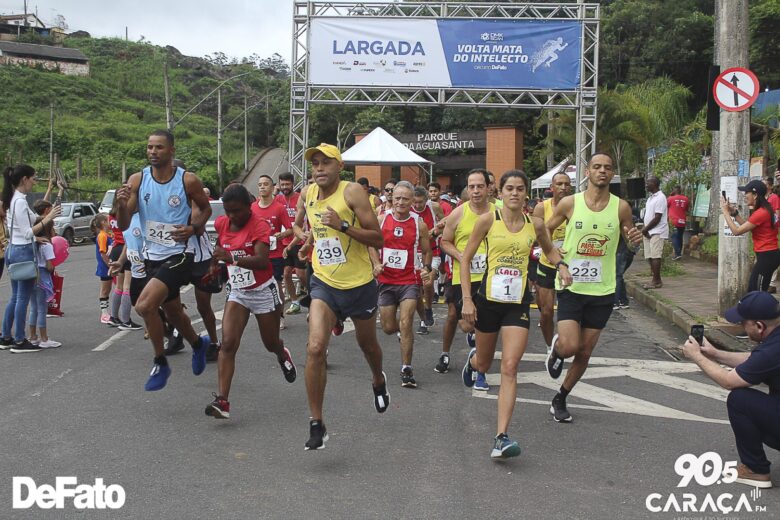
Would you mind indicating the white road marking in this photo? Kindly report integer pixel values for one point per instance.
(650, 371)
(52, 383)
(119, 335)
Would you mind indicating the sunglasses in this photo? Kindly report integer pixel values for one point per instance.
(388, 190)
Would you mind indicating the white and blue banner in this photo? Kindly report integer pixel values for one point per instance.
(469, 53)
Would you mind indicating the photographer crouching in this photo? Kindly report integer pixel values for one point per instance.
(753, 414)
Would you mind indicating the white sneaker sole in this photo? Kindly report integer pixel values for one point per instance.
(552, 412)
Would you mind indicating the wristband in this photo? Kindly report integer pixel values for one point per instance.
(560, 263)
(429, 267)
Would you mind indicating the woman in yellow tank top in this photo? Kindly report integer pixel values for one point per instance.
(501, 303)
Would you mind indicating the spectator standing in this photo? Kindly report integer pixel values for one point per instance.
(44, 291)
(655, 231)
(678, 205)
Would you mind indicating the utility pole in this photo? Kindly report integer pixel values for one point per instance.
(246, 139)
(168, 104)
(219, 138)
(731, 41)
(51, 140)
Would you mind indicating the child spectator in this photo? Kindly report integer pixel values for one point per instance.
(44, 291)
(101, 230)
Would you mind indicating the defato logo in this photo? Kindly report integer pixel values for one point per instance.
(84, 496)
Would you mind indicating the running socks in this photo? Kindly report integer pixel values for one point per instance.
(563, 392)
(161, 360)
(124, 308)
(116, 300)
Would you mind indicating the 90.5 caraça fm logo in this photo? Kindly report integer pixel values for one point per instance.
(706, 470)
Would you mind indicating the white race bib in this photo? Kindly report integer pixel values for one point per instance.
(585, 271)
(395, 258)
(478, 263)
(272, 243)
(329, 251)
(240, 277)
(160, 233)
(507, 287)
(134, 256)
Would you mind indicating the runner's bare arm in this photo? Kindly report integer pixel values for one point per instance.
(425, 244)
(544, 239)
(300, 213)
(448, 235)
(630, 232)
(369, 232)
(127, 201)
(257, 261)
(562, 213)
(201, 209)
(373, 254)
(480, 231)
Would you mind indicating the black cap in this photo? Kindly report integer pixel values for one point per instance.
(755, 305)
(755, 186)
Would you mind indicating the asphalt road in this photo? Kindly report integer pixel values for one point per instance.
(78, 412)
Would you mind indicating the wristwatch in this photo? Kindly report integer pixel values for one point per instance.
(344, 226)
(560, 263)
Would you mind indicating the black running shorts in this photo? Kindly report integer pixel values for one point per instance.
(175, 272)
(591, 312)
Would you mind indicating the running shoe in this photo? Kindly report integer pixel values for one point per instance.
(615, 306)
(24, 347)
(105, 319)
(49, 343)
(199, 355)
(175, 343)
(468, 373)
(381, 397)
(6, 343)
(112, 322)
(212, 352)
(443, 366)
(288, 367)
(558, 409)
(504, 448)
(294, 308)
(481, 383)
(554, 363)
(429, 320)
(422, 329)
(747, 476)
(282, 325)
(318, 435)
(407, 378)
(129, 325)
(158, 377)
(219, 407)
(338, 330)
(471, 339)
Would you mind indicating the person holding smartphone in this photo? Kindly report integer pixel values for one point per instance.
(752, 413)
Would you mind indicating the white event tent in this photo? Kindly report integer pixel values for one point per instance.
(544, 182)
(381, 148)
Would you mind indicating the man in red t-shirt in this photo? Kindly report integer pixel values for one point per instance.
(434, 195)
(678, 210)
(289, 199)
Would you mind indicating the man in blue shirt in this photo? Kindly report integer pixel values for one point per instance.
(752, 413)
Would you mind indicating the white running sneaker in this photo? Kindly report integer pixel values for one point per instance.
(49, 343)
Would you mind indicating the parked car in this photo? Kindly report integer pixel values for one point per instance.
(216, 210)
(73, 223)
(107, 202)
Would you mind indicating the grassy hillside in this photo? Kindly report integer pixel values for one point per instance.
(109, 114)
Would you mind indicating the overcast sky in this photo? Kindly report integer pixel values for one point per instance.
(238, 28)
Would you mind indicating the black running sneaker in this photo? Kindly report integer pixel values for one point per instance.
(212, 352)
(25, 346)
(175, 343)
(219, 408)
(288, 367)
(443, 366)
(554, 363)
(129, 325)
(558, 409)
(6, 343)
(407, 378)
(113, 322)
(381, 397)
(318, 435)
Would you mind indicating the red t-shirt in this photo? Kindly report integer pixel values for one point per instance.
(764, 234)
(400, 250)
(242, 243)
(277, 217)
(119, 238)
(291, 207)
(446, 207)
(774, 201)
(678, 209)
(430, 220)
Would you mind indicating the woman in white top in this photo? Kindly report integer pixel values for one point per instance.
(19, 181)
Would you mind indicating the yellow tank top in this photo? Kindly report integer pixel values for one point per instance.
(462, 234)
(338, 260)
(506, 274)
(558, 235)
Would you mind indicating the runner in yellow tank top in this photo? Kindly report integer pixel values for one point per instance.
(343, 285)
(546, 271)
(460, 224)
(502, 301)
(594, 219)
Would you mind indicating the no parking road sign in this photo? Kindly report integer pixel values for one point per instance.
(735, 89)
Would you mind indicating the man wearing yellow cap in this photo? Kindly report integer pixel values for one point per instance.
(343, 227)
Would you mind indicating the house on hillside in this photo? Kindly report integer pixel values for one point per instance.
(13, 25)
(28, 20)
(67, 61)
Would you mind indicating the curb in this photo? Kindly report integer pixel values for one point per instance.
(682, 319)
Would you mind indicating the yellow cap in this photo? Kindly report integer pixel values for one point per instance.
(328, 149)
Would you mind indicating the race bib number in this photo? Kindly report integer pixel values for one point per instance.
(507, 287)
(330, 252)
(478, 263)
(585, 271)
(240, 277)
(160, 233)
(272, 243)
(395, 258)
(134, 257)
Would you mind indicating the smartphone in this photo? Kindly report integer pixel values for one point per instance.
(724, 194)
(697, 331)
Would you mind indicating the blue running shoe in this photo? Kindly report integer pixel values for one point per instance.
(157, 378)
(471, 339)
(504, 448)
(199, 355)
(468, 373)
(481, 382)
